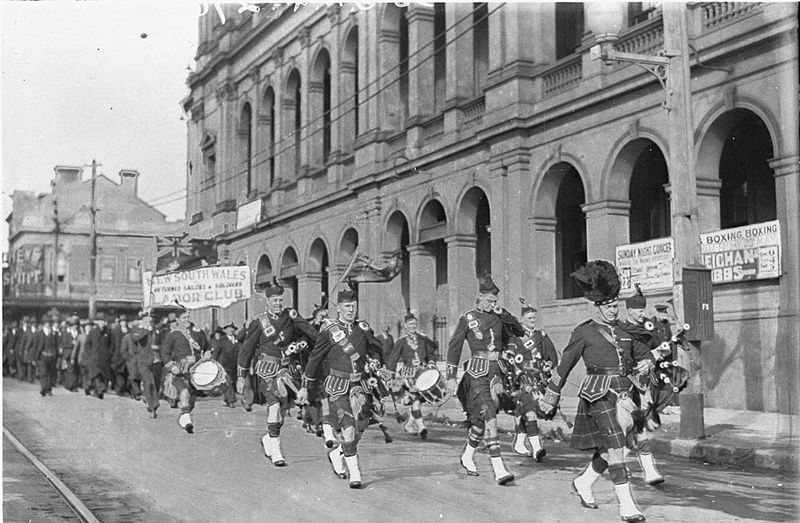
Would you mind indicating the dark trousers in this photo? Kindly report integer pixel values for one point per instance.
(71, 377)
(47, 376)
(230, 390)
(149, 387)
(22, 369)
(120, 381)
(30, 372)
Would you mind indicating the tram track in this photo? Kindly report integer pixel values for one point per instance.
(73, 502)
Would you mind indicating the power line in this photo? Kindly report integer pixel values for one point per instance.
(375, 94)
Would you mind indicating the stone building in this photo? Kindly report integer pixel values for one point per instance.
(485, 137)
(50, 247)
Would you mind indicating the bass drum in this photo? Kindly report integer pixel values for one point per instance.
(209, 376)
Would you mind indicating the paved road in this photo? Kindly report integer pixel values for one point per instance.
(127, 467)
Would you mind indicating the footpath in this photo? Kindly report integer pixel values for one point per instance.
(743, 438)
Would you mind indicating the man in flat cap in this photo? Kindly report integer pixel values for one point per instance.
(612, 357)
(536, 356)
(486, 329)
(98, 356)
(69, 343)
(345, 346)
(266, 348)
(226, 352)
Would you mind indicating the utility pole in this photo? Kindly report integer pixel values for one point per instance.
(56, 232)
(93, 241)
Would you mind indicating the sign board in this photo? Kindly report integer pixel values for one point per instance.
(648, 263)
(248, 214)
(198, 288)
(752, 252)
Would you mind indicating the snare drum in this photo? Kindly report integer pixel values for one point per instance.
(432, 387)
(208, 375)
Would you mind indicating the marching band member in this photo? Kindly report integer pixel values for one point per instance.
(414, 351)
(268, 338)
(612, 356)
(345, 346)
(538, 355)
(181, 349)
(484, 328)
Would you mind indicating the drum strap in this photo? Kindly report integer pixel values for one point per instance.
(192, 342)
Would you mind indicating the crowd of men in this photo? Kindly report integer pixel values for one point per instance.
(339, 372)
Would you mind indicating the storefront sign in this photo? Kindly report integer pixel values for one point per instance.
(752, 252)
(648, 263)
(248, 214)
(198, 288)
(28, 270)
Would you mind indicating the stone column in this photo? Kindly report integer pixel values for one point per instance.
(422, 268)
(460, 275)
(607, 225)
(544, 258)
(708, 213)
(309, 287)
(420, 52)
(787, 371)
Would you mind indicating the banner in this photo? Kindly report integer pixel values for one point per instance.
(648, 263)
(198, 288)
(752, 252)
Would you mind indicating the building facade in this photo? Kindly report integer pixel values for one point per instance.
(485, 137)
(50, 245)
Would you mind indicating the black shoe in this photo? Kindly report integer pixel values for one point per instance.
(189, 428)
(540, 454)
(423, 433)
(635, 517)
(469, 472)
(87, 392)
(505, 479)
(584, 503)
(355, 484)
(42, 393)
(330, 443)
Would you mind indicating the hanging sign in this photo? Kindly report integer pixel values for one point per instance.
(198, 288)
(648, 263)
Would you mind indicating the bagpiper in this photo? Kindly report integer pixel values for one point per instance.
(534, 358)
(612, 357)
(347, 347)
(413, 352)
(267, 347)
(486, 329)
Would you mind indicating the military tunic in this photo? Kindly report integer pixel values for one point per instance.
(264, 348)
(345, 348)
(485, 333)
(610, 355)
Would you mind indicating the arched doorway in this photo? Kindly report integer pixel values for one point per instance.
(347, 247)
(475, 219)
(570, 230)
(650, 210)
(318, 265)
(263, 272)
(288, 276)
(747, 194)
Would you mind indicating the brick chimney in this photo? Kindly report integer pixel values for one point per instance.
(67, 174)
(129, 180)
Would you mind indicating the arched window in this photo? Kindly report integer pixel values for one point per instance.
(320, 100)
(747, 194)
(268, 111)
(570, 231)
(292, 125)
(349, 85)
(480, 46)
(245, 133)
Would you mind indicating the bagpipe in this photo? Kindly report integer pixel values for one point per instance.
(522, 380)
(668, 374)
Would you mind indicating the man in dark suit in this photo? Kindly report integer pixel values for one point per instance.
(226, 352)
(98, 356)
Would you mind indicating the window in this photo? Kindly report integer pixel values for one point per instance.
(108, 269)
(133, 273)
(480, 46)
(439, 57)
(569, 28)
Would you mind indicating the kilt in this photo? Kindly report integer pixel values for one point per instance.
(351, 409)
(596, 425)
(274, 391)
(475, 394)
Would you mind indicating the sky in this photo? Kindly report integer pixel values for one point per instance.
(79, 82)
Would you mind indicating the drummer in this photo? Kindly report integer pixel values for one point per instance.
(265, 348)
(412, 353)
(181, 349)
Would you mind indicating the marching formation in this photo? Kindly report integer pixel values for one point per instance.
(339, 373)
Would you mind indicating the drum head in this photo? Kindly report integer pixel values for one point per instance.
(427, 379)
(204, 374)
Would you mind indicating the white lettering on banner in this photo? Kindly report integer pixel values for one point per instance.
(200, 288)
(751, 252)
(648, 263)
